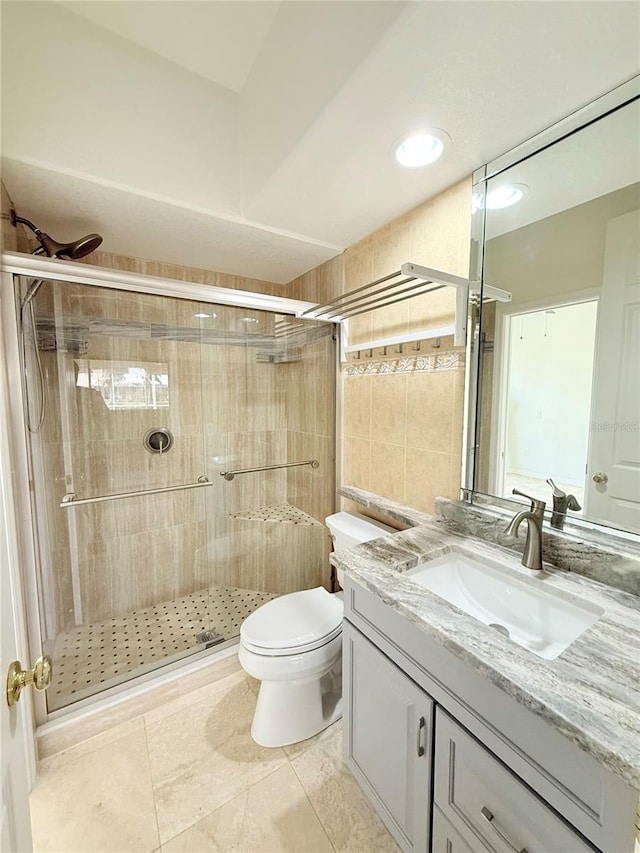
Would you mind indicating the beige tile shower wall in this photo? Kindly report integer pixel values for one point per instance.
(246, 425)
(181, 273)
(227, 410)
(274, 556)
(310, 408)
(310, 411)
(119, 556)
(112, 558)
(402, 431)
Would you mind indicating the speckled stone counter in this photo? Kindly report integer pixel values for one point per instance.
(590, 693)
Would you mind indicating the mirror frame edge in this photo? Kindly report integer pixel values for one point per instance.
(610, 101)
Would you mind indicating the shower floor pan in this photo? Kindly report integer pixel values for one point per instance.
(93, 657)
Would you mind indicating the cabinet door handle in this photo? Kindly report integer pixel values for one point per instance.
(421, 725)
(488, 816)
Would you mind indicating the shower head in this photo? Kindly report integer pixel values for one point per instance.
(78, 249)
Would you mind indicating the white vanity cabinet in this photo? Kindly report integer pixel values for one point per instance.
(445, 839)
(489, 806)
(389, 740)
(503, 779)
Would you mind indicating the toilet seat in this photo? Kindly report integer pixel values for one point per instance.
(294, 623)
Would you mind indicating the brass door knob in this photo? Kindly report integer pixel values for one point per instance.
(17, 677)
(600, 477)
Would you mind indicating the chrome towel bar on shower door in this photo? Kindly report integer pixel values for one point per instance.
(229, 475)
(71, 500)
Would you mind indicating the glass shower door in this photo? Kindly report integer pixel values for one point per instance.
(146, 553)
(121, 388)
(268, 403)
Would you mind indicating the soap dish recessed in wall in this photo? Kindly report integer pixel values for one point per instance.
(158, 440)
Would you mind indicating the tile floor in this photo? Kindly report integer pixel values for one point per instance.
(184, 775)
(84, 663)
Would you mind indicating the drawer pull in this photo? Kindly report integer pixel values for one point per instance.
(488, 816)
(421, 725)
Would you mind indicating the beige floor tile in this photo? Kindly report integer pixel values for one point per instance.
(101, 801)
(348, 819)
(91, 744)
(293, 750)
(203, 756)
(57, 739)
(273, 816)
(194, 696)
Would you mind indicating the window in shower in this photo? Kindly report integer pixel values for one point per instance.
(124, 385)
(130, 584)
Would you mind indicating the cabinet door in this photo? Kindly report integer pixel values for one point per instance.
(488, 806)
(388, 739)
(446, 839)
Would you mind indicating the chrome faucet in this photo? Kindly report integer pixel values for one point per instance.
(561, 503)
(532, 555)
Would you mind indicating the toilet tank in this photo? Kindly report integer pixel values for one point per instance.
(350, 528)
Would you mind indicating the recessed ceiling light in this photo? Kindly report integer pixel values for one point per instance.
(204, 316)
(505, 196)
(420, 148)
(250, 320)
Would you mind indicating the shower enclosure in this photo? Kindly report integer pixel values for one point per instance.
(181, 473)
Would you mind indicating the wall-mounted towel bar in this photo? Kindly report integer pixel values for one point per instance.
(229, 475)
(417, 281)
(71, 499)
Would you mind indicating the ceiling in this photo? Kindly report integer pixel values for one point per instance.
(608, 151)
(253, 137)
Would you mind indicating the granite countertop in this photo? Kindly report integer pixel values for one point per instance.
(590, 693)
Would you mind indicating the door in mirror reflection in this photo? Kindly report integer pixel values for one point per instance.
(548, 363)
(613, 476)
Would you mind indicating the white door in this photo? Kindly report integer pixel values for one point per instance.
(15, 723)
(613, 471)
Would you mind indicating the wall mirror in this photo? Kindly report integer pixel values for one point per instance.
(557, 399)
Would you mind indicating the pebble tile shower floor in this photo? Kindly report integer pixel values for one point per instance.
(93, 657)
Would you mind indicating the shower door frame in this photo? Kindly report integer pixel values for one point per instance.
(16, 264)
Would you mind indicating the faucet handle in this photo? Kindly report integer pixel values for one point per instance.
(535, 503)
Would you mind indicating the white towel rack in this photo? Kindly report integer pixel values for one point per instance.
(409, 281)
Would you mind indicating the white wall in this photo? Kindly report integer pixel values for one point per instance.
(549, 392)
(146, 123)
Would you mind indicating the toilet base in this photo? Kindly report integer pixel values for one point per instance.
(289, 712)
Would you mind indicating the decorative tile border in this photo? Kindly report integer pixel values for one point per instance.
(438, 362)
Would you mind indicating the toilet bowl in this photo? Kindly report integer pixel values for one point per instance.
(293, 645)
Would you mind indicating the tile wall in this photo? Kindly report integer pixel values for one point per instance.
(226, 410)
(403, 412)
(402, 420)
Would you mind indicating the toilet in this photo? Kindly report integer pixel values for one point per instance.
(293, 645)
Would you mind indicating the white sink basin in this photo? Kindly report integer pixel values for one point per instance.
(535, 619)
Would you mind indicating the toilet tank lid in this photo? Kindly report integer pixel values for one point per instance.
(357, 526)
(292, 620)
